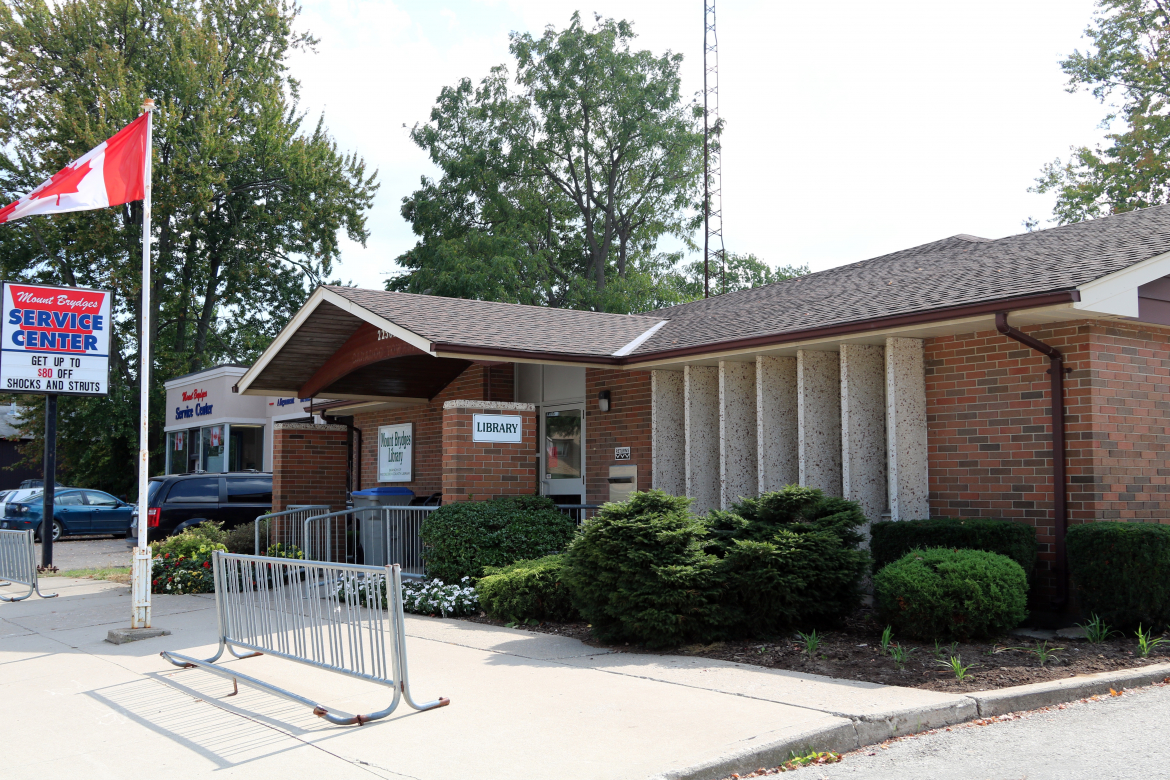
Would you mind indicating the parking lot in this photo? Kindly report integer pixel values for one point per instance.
(88, 552)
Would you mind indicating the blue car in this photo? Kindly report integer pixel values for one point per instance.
(75, 512)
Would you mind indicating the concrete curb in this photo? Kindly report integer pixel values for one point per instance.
(857, 732)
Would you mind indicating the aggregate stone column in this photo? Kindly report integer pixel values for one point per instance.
(818, 412)
(778, 457)
(909, 491)
(737, 432)
(701, 402)
(668, 432)
(863, 427)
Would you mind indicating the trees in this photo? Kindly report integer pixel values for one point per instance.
(1129, 63)
(557, 192)
(248, 198)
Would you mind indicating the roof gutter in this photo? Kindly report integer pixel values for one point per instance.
(1059, 483)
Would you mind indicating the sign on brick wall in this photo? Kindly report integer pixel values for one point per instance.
(395, 445)
(503, 428)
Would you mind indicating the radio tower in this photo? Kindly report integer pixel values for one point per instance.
(712, 169)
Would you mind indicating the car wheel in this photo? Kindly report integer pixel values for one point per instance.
(57, 531)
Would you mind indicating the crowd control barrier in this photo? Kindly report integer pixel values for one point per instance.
(284, 528)
(371, 535)
(327, 615)
(18, 564)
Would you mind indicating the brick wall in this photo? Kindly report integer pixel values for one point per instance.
(990, 434)
(478, 382)
(626, 424)
(308, 465)
(475, 471)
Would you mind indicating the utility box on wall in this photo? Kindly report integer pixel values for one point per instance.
(623, 480)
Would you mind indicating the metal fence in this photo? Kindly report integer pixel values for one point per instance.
(284, 528)
(372, 535)
(579, 512)
(18, 564)
(340, 617)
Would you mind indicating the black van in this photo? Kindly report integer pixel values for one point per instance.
(179, 501)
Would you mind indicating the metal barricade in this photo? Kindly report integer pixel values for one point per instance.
(579, 512)
(284, 528)
(18, 564)
(371, 535)
(339, 617)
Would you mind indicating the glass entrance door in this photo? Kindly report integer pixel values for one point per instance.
(563, 451)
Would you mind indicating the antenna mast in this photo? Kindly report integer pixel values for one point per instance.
(712, 168)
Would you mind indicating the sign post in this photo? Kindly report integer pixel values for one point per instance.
(140, 571)
(50, 482)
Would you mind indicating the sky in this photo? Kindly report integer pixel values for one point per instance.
(853, 128)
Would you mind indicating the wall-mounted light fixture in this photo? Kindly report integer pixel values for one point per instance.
(603, 400)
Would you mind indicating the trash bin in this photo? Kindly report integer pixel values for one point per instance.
(379, 532)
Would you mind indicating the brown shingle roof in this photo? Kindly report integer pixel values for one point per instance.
(955, 271)
(503, 326)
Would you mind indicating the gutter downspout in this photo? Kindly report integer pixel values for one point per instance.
(1059, 481)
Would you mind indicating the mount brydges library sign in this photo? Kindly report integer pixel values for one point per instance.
(914, 383)
(56, 340)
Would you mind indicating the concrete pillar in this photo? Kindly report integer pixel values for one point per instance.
(863, 427)
(818, 412)
(778, 457)
(737, 432)
(668, 432)
(701, 401)
(906, 429)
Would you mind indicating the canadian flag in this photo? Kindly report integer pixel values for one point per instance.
(109, 175)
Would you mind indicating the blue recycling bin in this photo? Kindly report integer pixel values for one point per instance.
(383, 496)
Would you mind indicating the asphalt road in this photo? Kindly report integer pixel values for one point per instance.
(1113, 737)
(97, 552)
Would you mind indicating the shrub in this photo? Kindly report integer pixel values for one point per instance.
(459, 540)
(180, 574)
(242, 539)
(890, 541)
(1119, 570)
(788, 557)
(526, 590)
(209, 533)
(944, 594)
(638, 572)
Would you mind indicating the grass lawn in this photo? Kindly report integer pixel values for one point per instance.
(112, 573)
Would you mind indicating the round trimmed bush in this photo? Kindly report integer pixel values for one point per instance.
(460, 539)
(526, 590)
(638, 572)
(952, 594)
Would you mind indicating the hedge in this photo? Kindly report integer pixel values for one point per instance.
(526, 590)
(1120, 572)
(460, 540)
(891, 540)
(952, 594)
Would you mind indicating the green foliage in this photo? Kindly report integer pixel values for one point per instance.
(460, 539)
(208, 535)
(241, 539)
(739, 272)
(887, 639)
(1126, 67)
(1119, 570)
(526, 590)
(955, 664)
(900, 654)
(249, 198)
(638, 572)
(179, 574)
(890, 541)
(1145, 643)
(556, 188)
(786, 558)
(952, 593)
(1097, 631)
(812, 643)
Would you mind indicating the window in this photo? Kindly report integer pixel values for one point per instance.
(177, 451)
(194, 491)
(96, 498)
(249, 490)
(562, 444)
(246, 448)
(212, 442)
(68, 499)
(152, 491)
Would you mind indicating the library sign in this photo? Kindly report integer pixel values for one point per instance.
(55, 340)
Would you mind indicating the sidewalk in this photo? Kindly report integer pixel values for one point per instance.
(523, 705)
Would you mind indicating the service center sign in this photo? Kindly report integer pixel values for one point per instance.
(503, 428)
(55, 340)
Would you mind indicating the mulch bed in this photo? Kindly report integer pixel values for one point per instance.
(853, 652)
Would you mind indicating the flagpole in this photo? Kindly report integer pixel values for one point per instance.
(140, 574)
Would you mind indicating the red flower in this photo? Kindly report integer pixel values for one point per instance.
(154, 582)
(207, 564)
(170, 579)
(168, 555)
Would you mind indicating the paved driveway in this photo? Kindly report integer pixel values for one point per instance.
(1111, 738)
(84, 552)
